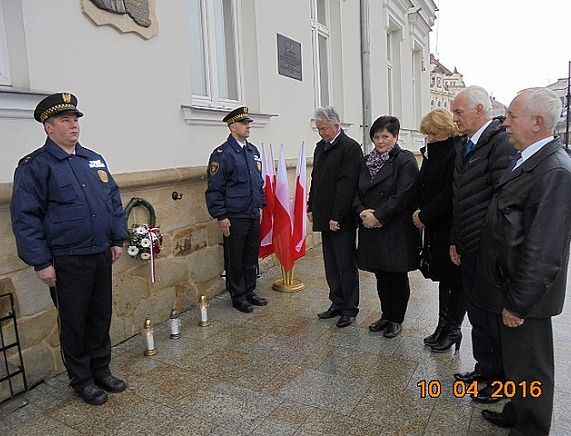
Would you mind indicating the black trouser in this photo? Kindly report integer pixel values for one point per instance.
(486, 343)
(83, 297)
(241, 255)
(339, 250)
(394, 291)
(528, 357)
(451, 302)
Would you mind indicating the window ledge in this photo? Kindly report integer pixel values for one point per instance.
(344, 125)
(198, 115)
(19, 103)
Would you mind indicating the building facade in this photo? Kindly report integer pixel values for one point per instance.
(444, 84)
(154, 80)
(560, 88)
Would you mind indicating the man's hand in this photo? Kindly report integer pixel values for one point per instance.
(510, 320)
(416, 220)
(454, 256)
(310, 216)
(334, 225)
(370, 221)
(224, 226)
(116, 253)
(48, 276)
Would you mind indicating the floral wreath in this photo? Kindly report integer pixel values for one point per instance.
(145, 240)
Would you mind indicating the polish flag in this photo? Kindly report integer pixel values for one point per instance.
(267, 224)
(282, 234)
(300, 207)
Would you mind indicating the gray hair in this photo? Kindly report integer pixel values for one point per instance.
(328, 114)
(545, 102)
(476, 95)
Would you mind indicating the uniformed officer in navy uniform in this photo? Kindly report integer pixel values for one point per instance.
(70, 226)
(235, 198)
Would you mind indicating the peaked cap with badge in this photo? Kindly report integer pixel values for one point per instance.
(56, 104)
(238, 114)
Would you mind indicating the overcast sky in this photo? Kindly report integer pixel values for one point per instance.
(504, 45)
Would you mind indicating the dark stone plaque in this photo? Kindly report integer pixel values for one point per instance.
(289, 57)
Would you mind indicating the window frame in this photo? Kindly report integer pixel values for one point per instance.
(5, 79)
(321, 30)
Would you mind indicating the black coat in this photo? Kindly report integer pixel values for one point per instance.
(435, 203)
(392, 194)
(475, 178)
(334, 183)
(525, 244)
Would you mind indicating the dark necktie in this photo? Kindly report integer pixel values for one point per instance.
(468, 147)
(513, 160)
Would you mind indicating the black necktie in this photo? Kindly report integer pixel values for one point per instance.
(513, 160)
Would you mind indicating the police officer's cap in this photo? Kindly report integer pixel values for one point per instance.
(56, 104)
(238, 114)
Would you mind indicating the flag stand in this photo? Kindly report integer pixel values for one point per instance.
(288, 283)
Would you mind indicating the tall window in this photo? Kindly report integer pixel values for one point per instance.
(214, 60)
(416, 61)
(394, 68)
(4, 65)
(321, 51)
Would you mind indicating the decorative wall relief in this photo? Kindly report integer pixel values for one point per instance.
(125, 15)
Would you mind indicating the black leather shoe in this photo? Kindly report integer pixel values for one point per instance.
(329, 313)
(91, 394)
(485, 395)
(379, 325)
(242, 306)
(111, 384)
(392, 330)
(345, 320)
(256, 301)
(497, 418)
(469, 377)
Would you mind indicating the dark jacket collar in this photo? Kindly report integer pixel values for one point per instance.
(234, 144)
(59, 153)
(329, 145)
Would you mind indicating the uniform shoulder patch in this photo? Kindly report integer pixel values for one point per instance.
(213, 168)
(30, 156)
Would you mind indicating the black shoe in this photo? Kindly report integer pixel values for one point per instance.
(91, 394)
(329, 313)
(497, 418)
(446, 341)
(379, 325)
(487, 395)
(111, 384)
(393, 329)
(469, 377)
(242, 306)
(345, 320)
(256, 301)
(433, 338)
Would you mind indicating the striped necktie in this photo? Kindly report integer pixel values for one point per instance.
(468, 147)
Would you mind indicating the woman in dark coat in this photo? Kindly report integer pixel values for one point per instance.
(388, 241)
(434, 216)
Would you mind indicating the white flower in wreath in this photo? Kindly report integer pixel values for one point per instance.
(141, 230)
(132, 250)
(145, 256)
(145, 242)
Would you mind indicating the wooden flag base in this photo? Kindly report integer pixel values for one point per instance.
(288, 283)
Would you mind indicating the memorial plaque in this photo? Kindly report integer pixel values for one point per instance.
(289, 57)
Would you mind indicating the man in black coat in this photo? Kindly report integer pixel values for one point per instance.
(334, 178)
(522, 271)
(479, 165)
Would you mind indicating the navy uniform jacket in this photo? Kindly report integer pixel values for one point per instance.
(65, 204)
(235, 183)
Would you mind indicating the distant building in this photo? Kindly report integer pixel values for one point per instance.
(560, 88)
(444, 84)
(498, 109)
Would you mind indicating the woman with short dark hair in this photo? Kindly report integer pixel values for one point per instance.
(388, 241)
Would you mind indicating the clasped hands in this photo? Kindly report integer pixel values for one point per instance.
(370, 221)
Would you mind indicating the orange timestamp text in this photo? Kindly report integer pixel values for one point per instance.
(503, 389)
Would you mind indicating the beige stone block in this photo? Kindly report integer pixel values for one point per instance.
(157, 307)
(33, 295)
(214, 233)
(7, 287)
(53, 337)
(169, 272)
(210, 289)
(125, 263)
(206, 264)
(166, 249)
(39, 363)
(186, 296)
(59, 367)
(9, 260)
(31, 329)
(128, 292)
(190, 239)
(117, 331)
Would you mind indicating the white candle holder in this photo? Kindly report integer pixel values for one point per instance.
(203, 312)
(148, 337)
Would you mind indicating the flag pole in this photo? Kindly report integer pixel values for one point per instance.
(288, 283)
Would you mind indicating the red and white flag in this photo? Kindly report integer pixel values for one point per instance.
(267, 224)
(282, 232)
(300, 206)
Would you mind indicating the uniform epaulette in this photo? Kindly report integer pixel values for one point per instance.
(30, 156)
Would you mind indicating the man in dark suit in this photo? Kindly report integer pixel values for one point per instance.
(479, 164)
(334, 178)
(522, 272)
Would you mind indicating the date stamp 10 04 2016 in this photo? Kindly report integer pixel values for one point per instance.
(503, 389)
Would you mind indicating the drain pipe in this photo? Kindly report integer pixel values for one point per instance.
(366, 74)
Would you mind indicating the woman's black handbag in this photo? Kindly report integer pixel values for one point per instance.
(425, 256)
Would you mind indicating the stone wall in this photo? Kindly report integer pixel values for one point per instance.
(188, 265)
